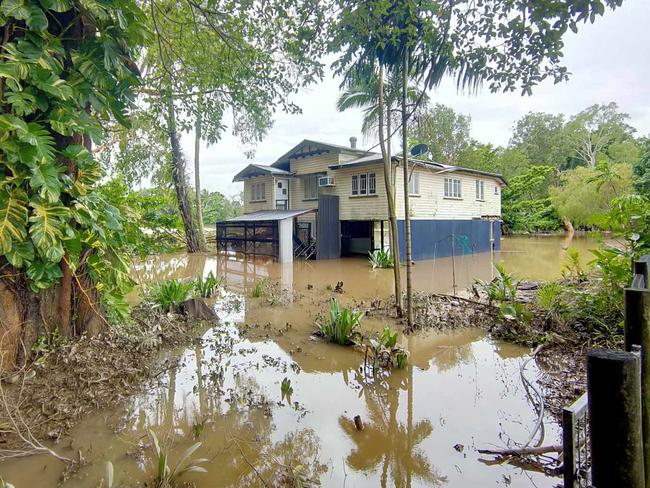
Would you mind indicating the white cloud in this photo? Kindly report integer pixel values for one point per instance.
(608, 61)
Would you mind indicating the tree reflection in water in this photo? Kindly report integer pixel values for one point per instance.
(385, 440)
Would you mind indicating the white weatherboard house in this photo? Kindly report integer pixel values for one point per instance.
(325, 201)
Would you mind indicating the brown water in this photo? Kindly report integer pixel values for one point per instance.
(460, 388)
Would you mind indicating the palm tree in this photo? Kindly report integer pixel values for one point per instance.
(367, 89)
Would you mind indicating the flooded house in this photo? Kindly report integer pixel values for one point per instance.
(323, 201)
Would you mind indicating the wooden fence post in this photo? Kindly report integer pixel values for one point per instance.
(614, 386)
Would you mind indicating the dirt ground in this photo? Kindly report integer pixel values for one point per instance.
(72, 379)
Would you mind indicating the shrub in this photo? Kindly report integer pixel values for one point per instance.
(169, 294)
(380, 259)
(342, 325)
(208, 286)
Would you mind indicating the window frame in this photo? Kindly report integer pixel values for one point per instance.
(480, 190)
(363, 184)
(414, 184)
(306, 180)
(355, 185)
(258, 191)
(453, 188)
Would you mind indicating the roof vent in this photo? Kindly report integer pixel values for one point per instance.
(353, 142)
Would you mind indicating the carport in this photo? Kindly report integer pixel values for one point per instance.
(268, 233)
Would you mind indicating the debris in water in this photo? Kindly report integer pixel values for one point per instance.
(358, 423)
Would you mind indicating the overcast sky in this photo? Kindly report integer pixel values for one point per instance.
(608, 61)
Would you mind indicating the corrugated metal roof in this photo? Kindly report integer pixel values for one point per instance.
(261, 215)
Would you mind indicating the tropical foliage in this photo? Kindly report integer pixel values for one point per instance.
(65, 70)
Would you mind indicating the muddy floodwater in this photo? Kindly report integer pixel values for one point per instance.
(422, 426)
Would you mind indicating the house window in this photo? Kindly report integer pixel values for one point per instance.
(414, 184)
(258, 192)
(364, 184)
(480, 190)
(453, 188)
(311, 187)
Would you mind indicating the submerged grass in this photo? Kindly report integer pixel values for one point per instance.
(342, 325)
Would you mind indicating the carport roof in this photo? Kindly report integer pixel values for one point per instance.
(266, 215)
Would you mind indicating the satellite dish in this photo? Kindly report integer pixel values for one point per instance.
(419, 150)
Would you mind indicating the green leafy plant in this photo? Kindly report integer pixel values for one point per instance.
(514, 311)
(5, 484)
(110, 471)
(503, 288)
(383, 350)
(208, 286)
(169, 294)
(259, 288)
(286, 389)
(380, 259)
(548, 295)
(572, 269)
(166, 475)
(342, 325)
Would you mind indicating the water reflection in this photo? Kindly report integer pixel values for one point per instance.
(387, 442)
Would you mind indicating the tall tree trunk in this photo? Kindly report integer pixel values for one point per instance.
(407, 216)
(180, 180)
(390, 195)
(197, 178)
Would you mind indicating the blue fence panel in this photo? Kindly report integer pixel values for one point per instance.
(434, 238)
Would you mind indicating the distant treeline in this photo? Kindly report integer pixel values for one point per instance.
(563, 171)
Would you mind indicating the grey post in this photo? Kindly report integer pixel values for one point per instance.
(637, 331)
(614, 385)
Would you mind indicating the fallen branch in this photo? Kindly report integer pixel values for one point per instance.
(522, 451)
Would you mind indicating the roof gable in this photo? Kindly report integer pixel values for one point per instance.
(307, 148)
(259, 170)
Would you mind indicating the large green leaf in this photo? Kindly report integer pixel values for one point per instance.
(13, 219)
(56, 5)
(45, 179)
(21, 253)
(48, 222)
(43, 274)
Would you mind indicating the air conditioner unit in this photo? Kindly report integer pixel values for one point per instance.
(326, 181)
